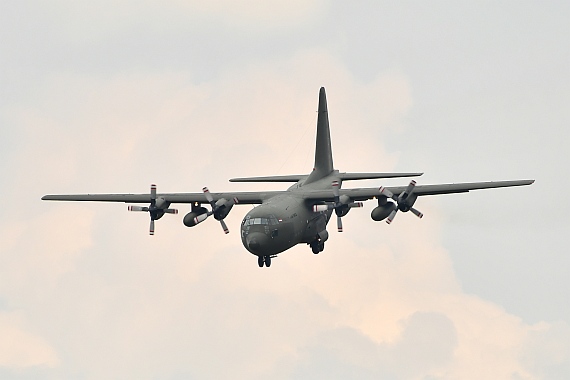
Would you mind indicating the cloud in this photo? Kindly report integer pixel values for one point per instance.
(20, 348)
(546, 351)
(425, 346)
(75, 22)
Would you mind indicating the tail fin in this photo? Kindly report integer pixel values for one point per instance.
(323, 150)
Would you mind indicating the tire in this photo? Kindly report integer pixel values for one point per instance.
(315, 247)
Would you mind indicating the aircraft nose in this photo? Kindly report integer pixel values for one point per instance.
(256, 241)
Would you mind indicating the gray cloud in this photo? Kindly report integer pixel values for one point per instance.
(425, 346)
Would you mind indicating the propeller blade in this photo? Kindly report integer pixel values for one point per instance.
(153, 192)
(391, 216)
(355, 204)
(138, 208)
(171, 211)
(416, 213)
(339, 223)
(410, 188)
(224, 226)
(209, 197)
(335, 190)
(320, 208)
(385, 192)
(151, 231)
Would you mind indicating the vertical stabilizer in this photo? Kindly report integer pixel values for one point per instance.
(323, 150)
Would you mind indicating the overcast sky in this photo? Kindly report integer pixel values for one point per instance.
(112, 96)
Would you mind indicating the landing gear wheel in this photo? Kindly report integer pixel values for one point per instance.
(260, 261)
(267, 261)
(315, 247)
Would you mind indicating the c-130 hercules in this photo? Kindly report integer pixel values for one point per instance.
(299, 214)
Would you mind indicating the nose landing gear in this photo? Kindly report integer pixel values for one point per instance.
(264, 260)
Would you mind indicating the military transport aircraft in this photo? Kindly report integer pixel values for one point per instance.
(299, 214)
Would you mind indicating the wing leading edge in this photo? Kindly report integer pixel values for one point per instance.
(362, 194)
(253, 197)
(258, 197)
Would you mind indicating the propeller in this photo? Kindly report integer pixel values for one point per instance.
(220, 209)
(157, 208)
(341, 205)
(404, 201)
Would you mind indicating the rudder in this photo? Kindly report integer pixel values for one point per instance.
(323, 149)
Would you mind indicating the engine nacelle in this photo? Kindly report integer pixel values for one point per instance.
(342, 211)
(158, 214)
(192, 218)
(381, 212)
(223, 208)
(161, 203)
(407, 203)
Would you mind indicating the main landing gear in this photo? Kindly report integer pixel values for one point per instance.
(317, 246)
(264, 260)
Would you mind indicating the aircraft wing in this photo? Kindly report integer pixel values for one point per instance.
(362, 194)
(252, 197)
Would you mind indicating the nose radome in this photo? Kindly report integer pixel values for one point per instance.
(255, 242)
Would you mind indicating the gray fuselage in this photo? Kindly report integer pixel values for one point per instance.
(285, 220)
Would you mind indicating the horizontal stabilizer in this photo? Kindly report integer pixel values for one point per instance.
(274, 178)
(357, 176)
(342, 176)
